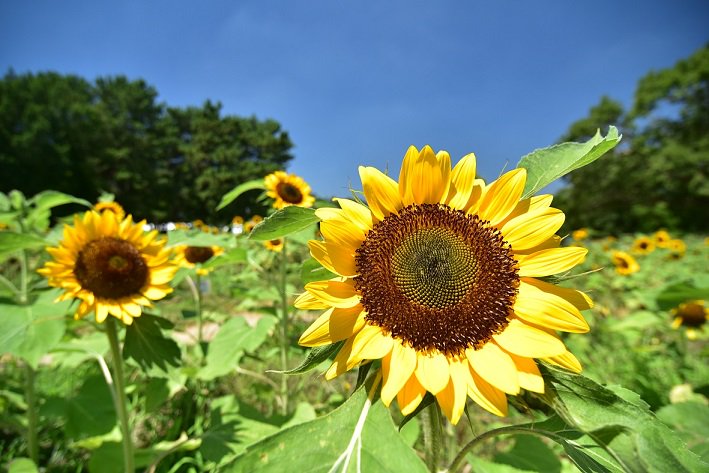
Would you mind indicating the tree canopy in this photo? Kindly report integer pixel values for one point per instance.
(163, 163)
(659, 176)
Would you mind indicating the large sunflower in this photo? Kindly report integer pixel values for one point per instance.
(288, 189)
(111, 265)
(438, 279)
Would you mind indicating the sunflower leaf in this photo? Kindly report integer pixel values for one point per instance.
(315, 356)
(11, 242)
(288, 220)
(311, 271)
(546, 165)
(147, 346)
(427, 400)
(674, 295)
(233, 194)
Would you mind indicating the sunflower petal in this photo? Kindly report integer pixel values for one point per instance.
(339, 364)
(432, 371)
(495, 366)
(397, 368)
(565, 360)
(452, 398)
(332, 326)
(462, 183)
(531, 342)
(502, 196)
(551, 261)
(370, 343)
(342, 233)
(335, 293)
(576, 297)
(406, 174)
(410, 396)
(529, 376)
(307, 301)
(337, 259)
(533, 228)
(486, 395)
(430, 177)
(381, 191)
(356, 213)
(548, 310)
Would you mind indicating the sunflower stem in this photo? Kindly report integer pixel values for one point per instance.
(284, 330)
(196, 289)
(31, 399)
(120, 395)
(432, 436)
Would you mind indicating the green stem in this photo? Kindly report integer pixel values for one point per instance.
(23, 277)
(284, 331)
(432, 436)
(6, 282)
(196, 288)
(120, 397)
(32, 444)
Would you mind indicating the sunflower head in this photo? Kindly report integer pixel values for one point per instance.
(111, 206)
(110, 265)
(288, 189)
(274, 245)
(237, 220)
(191, 257)
(580, 234)
(677, 247)
(437, 277)
(643, 245)
(692, 315)
(661, 238)
(624, 263)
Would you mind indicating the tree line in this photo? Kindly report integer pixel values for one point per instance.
(112, 135)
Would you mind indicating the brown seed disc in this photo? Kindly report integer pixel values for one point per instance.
(111, 268)
(289, 193)
(198, 254)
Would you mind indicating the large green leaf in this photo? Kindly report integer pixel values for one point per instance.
(31, 331)
(232, 195)
(284, 222)
(317, 445)
(546, 165)
(234, 338)
(146, 344)
(615, 415)
(22, 465)
(11, 242)
(49, 199)
(690, 420)
(674, 295)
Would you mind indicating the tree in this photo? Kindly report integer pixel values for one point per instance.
(659, 177)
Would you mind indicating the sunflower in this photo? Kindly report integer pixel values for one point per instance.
(288, 189)
(438, 279)
(661, 238)
(643, 245)
(114, 207)
(274, 245)
(580, 234)
(111, 265)
(194, 256)
(677, 247)
(693, 315)
(624, 263)
(237, 220)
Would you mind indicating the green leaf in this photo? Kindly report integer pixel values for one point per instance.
(197, 238)
(427, 400)
(690, 420)
(11, 242)
(233, 256)
(284, 222)
(234, 338)
(617, 413)
(31, 331)
(315, 446)
(232, 195)
(314, 271)
(147, 346)
(674, 295)
(546, 165)
(530, 453)
(75, 351)
(314, 357)
(49, 199)
(22, 465)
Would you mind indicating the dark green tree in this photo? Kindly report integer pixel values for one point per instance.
(659, 176)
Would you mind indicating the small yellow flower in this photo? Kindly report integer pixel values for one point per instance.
(580, 234)
(624, 263)
(288, 189)
(257, 219)
(238, 220)
(643, 245)
(274, 245)
(692, 315)
(661, 238)
(114, 207)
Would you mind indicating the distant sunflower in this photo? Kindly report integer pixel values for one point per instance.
(692, 315)
(274, 245)
(288, 189)
(580, 234)
(191, 257)
(237, 220)
(624, 263)
(114, 207)
(677, 247)
(438, 278)
(661, 238)
(111, 265)
(643, 245)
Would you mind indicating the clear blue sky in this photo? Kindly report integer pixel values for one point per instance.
(357, 82)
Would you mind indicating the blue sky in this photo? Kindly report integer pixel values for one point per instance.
(358, 82)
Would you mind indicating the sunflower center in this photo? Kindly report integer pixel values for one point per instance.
(289, 193)
(436, 278)
(111, 268)
(693, 315)
(198, 254)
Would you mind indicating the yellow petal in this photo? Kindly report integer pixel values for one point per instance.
(334, 258)
(307, 301)
(162, 275)
(580, 300)
(533, 228)
(462, 183)
(335, 293)
(339, 364)
(357, 214)
(430, 178)
(565, 360)
(370, 343)
(156, 292)
(381, 191)
(405, 175)
(452, 398)
(548, 310)
(332, 326)
(486, 395)
(432, 371)
(495, 366)
(502, 196)
(551, 261)
(553, 242)
(529, 376)
(342, 233)
(101, 312)
(531, 342)
(410, 396)
(397, 368)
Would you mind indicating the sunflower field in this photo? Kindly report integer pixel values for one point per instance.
(431, 322)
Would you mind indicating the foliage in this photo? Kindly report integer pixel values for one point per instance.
(660, 178)
(161, 163)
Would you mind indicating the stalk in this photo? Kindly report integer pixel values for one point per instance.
(284, 330)
(120, 395)
(31, 399)
(432, 436)
(196, 289)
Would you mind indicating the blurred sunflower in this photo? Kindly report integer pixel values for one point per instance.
(643, 245)
(437, 277)
(237, 220)
(111, 265)
(677, 247)
(580, 234)
(624, 263)
(194, 256)
(274, 245)
(288, 189)
(692, 315)
(661, 238)
(114, 207)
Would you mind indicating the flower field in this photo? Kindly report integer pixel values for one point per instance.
(431, 321)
